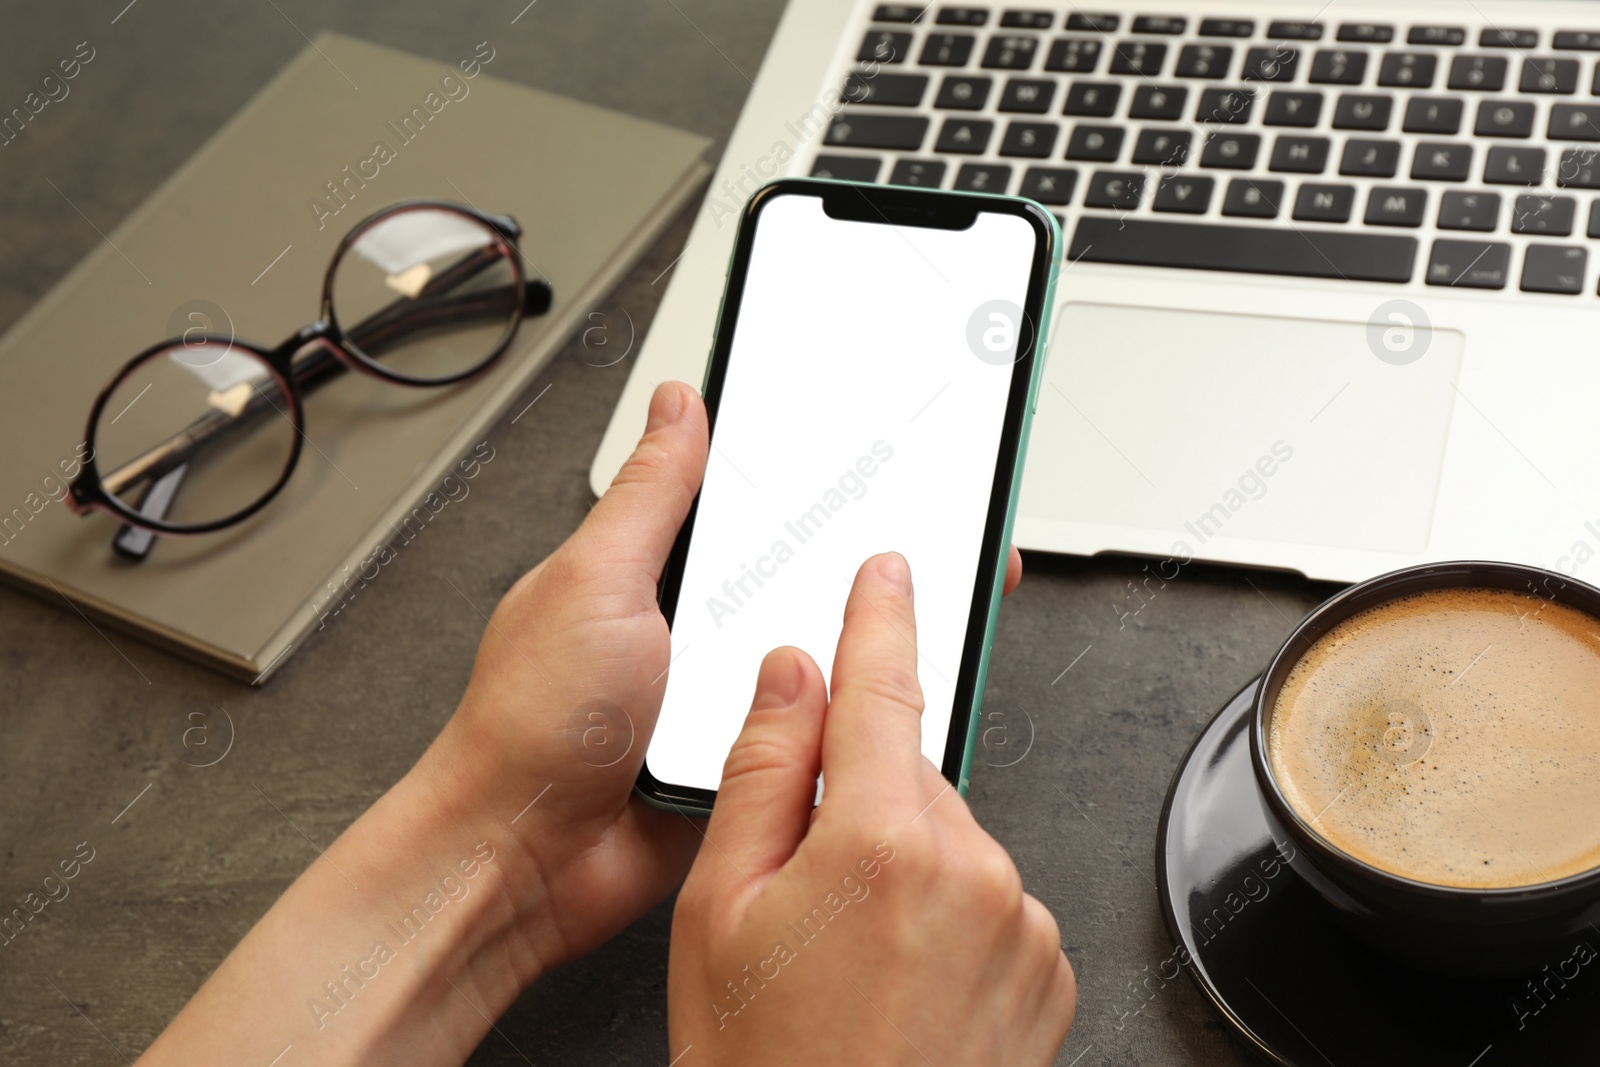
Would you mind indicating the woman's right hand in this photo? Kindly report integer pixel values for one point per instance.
(886, 927)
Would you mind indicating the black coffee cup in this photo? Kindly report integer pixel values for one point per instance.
(1470, 932)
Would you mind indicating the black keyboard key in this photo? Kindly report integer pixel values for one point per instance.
(1098, 99)
(1576, 41)
(885, 90)
(1011, 51)
(1231, 151)
(1370, 159)
(963, 16)
(859, 130)
(1432, 114)
(1554, 269)
(884, 46)
(1478, 73)
(1252, 199)
(1027, 20)
(1437, 35)
(1550, 216)
(847, 168)
(1359, 256)
(1162, 148)
(1092, 23)
(1113, 189)
(1504, 118)
(1366, 33)
(1295, 31)
(1574, 122)
(1227, 27)
(1580, 169)
(1442, 161)
(898, 13)
(960, 93)
(1338, 66)
(1203, 61)
(1514, 166)
(1049, 185)
(1036, 140)
(1594, 220)
(968, 137)
(1159, 24)
(1138, 57)
(1469, 264)
(1293, 109)
(1408, 70)
(1184, 194)
(1361, 112)
(1274, 64)
(1031, 95)
(947, 50)
(1073, 55)
(1395, 207)
(1099, 144)
(1225, 105)
(1324, 203)
(1494, 37)
(1546, 75)
(1469, 211)
(922, 173)
(982, 178)
(1158, 102)
(1300, 155)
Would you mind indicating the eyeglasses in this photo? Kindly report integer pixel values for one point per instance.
(434, 291)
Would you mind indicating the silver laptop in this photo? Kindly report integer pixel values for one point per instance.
(1329, 305)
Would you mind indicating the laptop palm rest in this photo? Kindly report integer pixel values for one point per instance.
(1213, 425)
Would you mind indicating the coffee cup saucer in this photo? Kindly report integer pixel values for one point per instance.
(1269, 955)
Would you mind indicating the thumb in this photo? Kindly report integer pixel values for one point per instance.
(635, 523)
(769, 782)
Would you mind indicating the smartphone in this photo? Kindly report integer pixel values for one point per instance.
(875, 367)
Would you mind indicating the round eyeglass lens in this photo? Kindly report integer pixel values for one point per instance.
(426, 293)
(194, 434)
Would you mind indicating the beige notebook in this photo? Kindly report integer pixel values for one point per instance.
(244, 231)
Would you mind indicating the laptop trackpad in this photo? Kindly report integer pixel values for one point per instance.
(1208, 424)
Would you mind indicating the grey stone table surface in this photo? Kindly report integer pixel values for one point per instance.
(178, 877)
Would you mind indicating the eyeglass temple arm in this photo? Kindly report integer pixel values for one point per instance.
(134, 542)
(536, 297)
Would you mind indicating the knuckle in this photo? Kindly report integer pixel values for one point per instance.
(1065, 990)
(758, 752)
(993, 881)
(652, 464)
(1044, 929)
(889, 684)
(890, 609)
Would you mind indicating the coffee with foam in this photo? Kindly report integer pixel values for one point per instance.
(1450, 737)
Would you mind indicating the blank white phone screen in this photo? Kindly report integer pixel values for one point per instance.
(857, 416)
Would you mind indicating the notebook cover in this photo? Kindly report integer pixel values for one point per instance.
(243, 233)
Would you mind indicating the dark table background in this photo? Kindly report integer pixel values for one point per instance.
(181, 876)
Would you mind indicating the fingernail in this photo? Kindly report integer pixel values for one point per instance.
(666, 407)
(893, 568)
(780, 682)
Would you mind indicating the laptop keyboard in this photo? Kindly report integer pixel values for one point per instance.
(1363, 151)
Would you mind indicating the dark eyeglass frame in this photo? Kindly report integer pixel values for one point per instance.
(337, 350)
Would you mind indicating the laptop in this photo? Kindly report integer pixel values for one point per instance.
(1328, 305)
